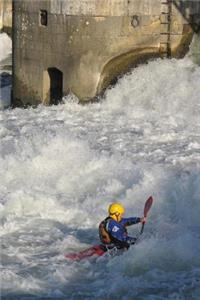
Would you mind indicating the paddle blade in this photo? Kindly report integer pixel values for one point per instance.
(148, 205)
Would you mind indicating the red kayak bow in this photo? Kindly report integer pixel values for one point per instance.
(94, 250)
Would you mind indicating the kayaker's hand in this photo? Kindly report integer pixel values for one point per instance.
(133, 240)
(143, 220)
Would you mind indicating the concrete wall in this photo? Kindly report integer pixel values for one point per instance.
(91, 42)
(6, 16)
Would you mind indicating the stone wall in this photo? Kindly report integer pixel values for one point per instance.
(87, 44)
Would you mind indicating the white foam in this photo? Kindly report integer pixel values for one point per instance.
(5, 46)
(62, 165)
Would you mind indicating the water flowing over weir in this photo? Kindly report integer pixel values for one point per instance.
(61, 166)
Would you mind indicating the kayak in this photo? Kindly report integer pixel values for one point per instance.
(96, 250)
(99, 250)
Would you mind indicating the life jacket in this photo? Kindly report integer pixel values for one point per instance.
(108, 239)
(104, 236)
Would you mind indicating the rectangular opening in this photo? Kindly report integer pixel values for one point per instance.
(43, 17)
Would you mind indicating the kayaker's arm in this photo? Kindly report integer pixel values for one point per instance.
(131, 221)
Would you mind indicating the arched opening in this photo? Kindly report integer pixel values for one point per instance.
(122, 64)
(56, 85)
(52, 86)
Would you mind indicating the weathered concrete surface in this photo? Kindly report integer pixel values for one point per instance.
(87, 44)
(195, 49)
(6, 16)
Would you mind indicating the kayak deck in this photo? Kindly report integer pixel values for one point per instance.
(92, 251)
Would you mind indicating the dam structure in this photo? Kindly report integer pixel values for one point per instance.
(82, 47)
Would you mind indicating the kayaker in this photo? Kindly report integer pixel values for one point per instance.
(113, 231)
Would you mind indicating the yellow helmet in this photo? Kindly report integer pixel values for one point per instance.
(116, 210)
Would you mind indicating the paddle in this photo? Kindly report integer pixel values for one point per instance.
(147, 207)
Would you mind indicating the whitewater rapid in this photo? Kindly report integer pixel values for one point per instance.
(60, 168)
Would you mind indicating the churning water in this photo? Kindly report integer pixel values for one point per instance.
(61, 166)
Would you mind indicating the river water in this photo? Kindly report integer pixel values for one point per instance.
(60, 168)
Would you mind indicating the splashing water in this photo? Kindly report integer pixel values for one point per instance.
(62, 165)
(5, 46)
